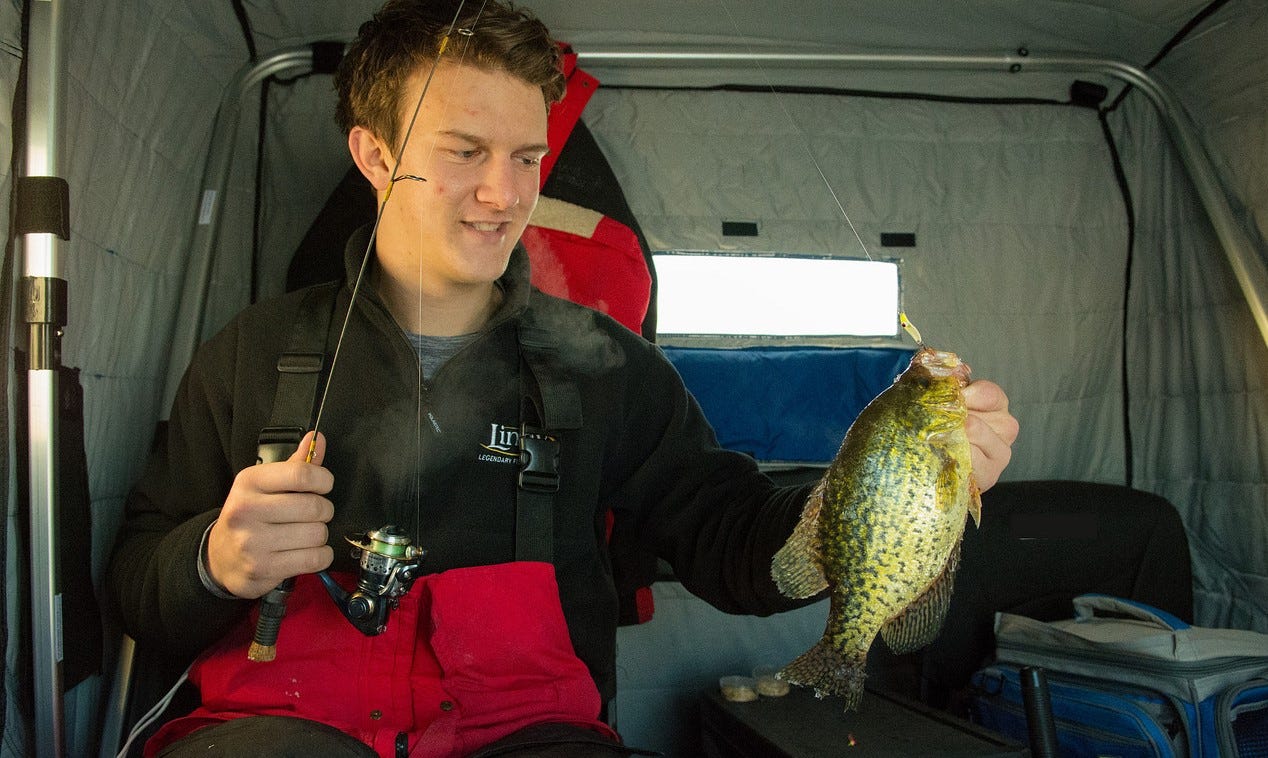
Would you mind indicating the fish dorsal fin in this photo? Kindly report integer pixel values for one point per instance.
(796, 568)
(920, 623)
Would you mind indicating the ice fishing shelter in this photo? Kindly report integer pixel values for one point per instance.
(1077, 192)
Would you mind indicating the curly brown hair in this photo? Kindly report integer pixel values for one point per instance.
(407, 34)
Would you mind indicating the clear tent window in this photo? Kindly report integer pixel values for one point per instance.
(785, 297)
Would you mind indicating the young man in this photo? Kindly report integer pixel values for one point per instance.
(449, 357)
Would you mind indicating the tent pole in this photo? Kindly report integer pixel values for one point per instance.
(1246, 262)
(215, 182)
(41, 223)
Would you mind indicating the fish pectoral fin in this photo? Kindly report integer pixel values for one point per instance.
(920, 622)
(955, 475)
(948, 480)
(795, 568)
(975, 501)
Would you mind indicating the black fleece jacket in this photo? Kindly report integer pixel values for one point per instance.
(643, 450)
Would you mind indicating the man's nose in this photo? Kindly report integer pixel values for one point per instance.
(498, 187)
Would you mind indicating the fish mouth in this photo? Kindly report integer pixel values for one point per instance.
(942, 363)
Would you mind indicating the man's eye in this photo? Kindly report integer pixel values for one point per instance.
(531, 160)
(464, 155)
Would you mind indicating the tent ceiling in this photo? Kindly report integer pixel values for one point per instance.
(1131, 30)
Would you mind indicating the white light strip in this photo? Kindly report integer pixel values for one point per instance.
(748, 295)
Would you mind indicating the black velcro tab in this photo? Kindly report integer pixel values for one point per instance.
(42, 206)
(326, 56)
(739, 228)
(1087, 94)
(1053, 526)
(898, 239)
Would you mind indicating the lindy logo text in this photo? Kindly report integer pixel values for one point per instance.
(503, 440)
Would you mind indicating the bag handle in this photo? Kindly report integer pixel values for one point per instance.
(1087, 606)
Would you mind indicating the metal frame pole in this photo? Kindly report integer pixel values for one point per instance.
(201, 251)
(1246, 262)
(44, 307)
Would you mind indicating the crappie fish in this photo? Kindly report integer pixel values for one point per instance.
(883, 527)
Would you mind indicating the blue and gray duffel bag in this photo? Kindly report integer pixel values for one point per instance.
(1126, 679)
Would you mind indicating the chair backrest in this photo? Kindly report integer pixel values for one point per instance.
(1041, 543)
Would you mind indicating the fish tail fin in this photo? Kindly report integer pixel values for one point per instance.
(829, 672)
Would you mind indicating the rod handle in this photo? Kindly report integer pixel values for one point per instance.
(272, 609)
(1040, 724)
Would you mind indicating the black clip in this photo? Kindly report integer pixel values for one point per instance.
(277, 443)
(539, 461)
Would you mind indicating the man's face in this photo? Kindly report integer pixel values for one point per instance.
(478, 141)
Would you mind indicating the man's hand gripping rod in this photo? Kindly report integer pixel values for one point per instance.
(389, 566)
(273, 605)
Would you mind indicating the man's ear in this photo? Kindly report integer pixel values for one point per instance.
(371, 156)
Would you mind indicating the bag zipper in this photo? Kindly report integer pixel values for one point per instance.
(1189, 670)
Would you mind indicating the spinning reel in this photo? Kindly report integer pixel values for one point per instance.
(389, 566)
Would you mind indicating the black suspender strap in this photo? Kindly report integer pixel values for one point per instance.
(535, 497)
(299, 371)
(549, 401)
(547, 396)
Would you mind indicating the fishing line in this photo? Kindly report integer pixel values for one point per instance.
(365, 258)
(273, 604)
(468, 31)
(374, 230)
(801, 133)
(906, 324)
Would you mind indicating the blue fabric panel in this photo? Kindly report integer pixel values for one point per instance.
(786, 404)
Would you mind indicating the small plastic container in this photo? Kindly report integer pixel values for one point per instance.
(767, 683)
(738, 689)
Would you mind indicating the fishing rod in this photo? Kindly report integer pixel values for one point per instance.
(389, 562)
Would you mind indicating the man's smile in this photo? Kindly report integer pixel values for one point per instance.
(487, 226)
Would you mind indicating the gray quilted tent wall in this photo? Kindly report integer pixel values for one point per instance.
(1021, 266)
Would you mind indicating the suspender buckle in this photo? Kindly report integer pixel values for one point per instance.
(539, 461)
(277, 443)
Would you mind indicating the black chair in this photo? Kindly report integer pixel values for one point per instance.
(1041, 543)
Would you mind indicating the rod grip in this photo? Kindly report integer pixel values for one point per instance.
(1040, 725)
(272, 609)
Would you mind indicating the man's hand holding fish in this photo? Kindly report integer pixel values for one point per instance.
(991, 430)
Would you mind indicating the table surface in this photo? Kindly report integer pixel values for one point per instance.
(800, 726)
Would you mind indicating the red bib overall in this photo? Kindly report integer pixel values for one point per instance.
(471, 655)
